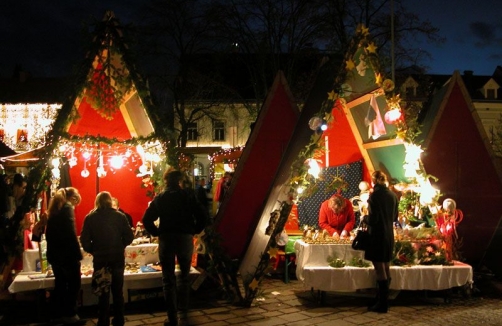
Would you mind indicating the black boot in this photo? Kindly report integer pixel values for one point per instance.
(381, 306)
(375, 299)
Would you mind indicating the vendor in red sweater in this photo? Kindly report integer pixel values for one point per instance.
(337, 216)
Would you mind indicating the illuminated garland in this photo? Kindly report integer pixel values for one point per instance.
(224, 156)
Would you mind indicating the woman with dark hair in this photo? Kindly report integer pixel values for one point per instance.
(382, 212)
(105, 235)
(64, 255)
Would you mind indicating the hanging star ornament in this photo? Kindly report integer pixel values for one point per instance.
(378, 79)
(328, 117)
(362, 29)
(254, 284)
(273, 252)
(371, 48)
(349, 64)
(393, 102)
(332, 96)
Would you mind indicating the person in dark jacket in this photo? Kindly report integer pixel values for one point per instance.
(382, 212)
(64, 254)
(105, 235)
(180, 217)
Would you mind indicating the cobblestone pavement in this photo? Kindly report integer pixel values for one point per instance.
(290, 304)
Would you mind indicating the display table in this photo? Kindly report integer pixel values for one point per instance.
(22, 282)
(30, 280)
(142, 254)
(315, 273)
(317, 255)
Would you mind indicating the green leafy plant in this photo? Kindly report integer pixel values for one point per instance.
(358, 262)
(335, 262)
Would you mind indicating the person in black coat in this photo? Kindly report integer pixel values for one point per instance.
(64, 255)
(180, 217)
(105, 234)
(382, 212)
(116, 205)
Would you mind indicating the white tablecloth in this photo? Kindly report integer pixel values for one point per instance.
(313, 270)
(22, 282)
(142, 254)
(317, 255)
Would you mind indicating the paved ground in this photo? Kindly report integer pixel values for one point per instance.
(290, 304)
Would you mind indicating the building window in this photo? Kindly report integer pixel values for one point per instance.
(218, 130)
(490, 93)
(192, 133)
(411, 92)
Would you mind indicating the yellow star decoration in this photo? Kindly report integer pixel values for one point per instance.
(394, 101)
(332, 96)
(254, 284)
(349, 64)
(371, 48)
(328, 117)
(273, 252)
(362, 29)
(378, 79)
(401, 134)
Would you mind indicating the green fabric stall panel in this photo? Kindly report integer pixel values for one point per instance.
(389, 159)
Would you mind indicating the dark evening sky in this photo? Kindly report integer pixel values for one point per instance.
(473, 32)
(44, 36)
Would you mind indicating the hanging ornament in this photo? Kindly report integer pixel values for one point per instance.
(388, 85)
(72, 161)
(84, 173)
(315, 123)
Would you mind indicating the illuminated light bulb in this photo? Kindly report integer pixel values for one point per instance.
(300, 190)
(412, 152)
(427, 193)
(314, 168)
(143, 169)
(392, 116)
(116, 162)
(86, 155)
(56, 173)
(62, 148)
(55, 162)
(156, 158)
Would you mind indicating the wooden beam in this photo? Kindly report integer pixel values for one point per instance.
(383, 143)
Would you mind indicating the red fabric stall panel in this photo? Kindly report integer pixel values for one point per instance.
(123, 184)
(93, 124)
(255, 172)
